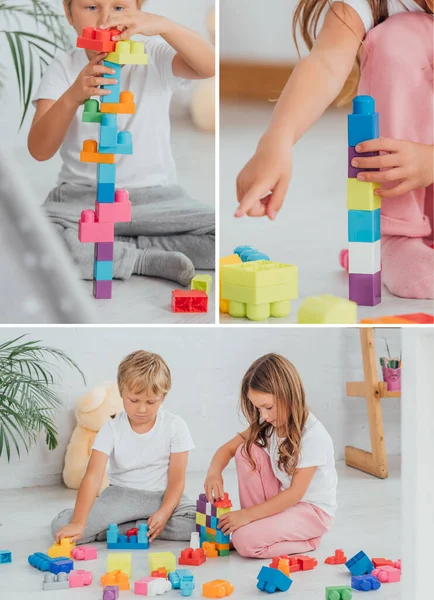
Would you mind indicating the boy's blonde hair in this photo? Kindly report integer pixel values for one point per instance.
(68, 3)
(142, 371)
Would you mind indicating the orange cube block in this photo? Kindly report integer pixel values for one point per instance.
(118, 578)
(160, 573)
(210, 549)
(90, 154)
(125, 106)
(386, 321)
(282, 564)
(219, 588)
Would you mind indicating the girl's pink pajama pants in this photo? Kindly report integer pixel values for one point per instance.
(296, 530)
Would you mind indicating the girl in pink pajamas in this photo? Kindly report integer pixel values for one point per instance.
(397, 62)
(285, 463)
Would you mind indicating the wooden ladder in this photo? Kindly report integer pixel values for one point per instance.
(374, 462)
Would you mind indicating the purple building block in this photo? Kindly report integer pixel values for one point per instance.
(104, 251)
(201, 507)
(111, 592)
(365, 290)
(208, 520)
(102, 290)
(352, 171)
(197, 527)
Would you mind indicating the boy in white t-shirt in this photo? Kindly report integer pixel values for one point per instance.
(170, 233)
(146, 449)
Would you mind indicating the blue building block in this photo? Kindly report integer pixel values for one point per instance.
(221, 538)
(360, 564)
(106, 173)
(104, 272)
(214, 522)
(108, 131)
(105, 193)
(182, 579)
(43, 562)
(124, 145)
(61, 565)
(364, 122)
(272, 580)
(202, 534)
(364, 225)
(5, 556)
(248, 254)
(115, 89)
(121, 542)
(187, 585)
(365, 583)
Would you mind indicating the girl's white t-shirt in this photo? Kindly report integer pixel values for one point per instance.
(152, 85)
(363, 9)
(316, 451)
(141, 460)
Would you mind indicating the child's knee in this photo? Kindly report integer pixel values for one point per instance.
(62, 519)
(244, 543)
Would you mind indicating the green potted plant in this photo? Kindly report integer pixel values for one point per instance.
(30, 52)
(28, 399)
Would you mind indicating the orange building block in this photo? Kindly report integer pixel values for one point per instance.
(118, 578)
(192, 557)
(219, 588)
(233, 259)
(90, 154)
(338, 559)
(419, 318)
(210, 549)
(386, 321)
(125, 106)
(63, 549)
(160, 573)
(282, 564)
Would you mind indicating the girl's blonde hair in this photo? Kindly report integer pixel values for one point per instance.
(274, 374)
(142, 371)
(306, 19)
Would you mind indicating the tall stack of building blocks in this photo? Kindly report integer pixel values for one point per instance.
(207, 520)
(363, 210)
(112, 206)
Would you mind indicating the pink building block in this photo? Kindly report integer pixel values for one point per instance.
(117, 212)
(89, 230)
(141, 587)
(80, 578)
(387, 574)
(84, 553)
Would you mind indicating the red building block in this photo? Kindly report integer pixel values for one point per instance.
(89, 230)
(281, 563)
(307, 563)
(98, 40)
(117, 212)
(338, 559)
(133, 531)
(160, 573)
(420, 318)
(192, 557)
(382, 562)
(224, 502)
(191, 301)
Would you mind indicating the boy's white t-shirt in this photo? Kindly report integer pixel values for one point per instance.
(363, 9)
(141, 460)
(152, 85)
(316, 451)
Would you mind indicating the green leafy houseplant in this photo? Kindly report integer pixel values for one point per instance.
(30, 52)
(28, 399)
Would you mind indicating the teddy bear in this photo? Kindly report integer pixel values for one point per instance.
(203, 99)
(92, 411)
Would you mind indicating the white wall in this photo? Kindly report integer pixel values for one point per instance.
(207, 365)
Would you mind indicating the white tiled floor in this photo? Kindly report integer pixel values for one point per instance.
(311, 228)
(368, 519)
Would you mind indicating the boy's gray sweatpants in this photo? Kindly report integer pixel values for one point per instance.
(128, 508)
(163, 217)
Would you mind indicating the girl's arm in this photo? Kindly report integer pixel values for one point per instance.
(214, 487)
(315, 82)
(87, 493)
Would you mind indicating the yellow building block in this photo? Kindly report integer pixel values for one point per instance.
(327, 310)
(259, 295)
(119, 561)
(157, 560)
(259, 273)
(233, 259)
(201, 519)
(222, 511)
(202, 283)
(63, 549)
(360, 195)
(128, 53)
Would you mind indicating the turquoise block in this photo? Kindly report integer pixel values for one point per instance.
(115, 89)
(364, 122)
(105, 193)
(124, 145)
(103, 270)
(364, 225)
(108, 131)
(106, 173)
(221, 538)
(214, 522)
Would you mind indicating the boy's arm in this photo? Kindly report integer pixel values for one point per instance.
(86, 496)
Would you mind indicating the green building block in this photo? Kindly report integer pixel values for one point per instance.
(262, 295)
(202, 283)
(91, 113)
(209, 537)
(259, 273)
(339, 592)
(360, 195)
(224, 552)
(327, 310)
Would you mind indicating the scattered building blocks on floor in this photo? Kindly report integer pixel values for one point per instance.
(84, 553)
(273, 580)
(5, 556)
(90, 154)
(190, 557)
(55, 582)
(156, 560)
(80, 578)
(382, 562)
(61, 565)
(210, 549)
(327, 309)
(152, 586)
(125, 106)
(117, 212)
(365, 290)
(110, 592)
(182, 579)
(128, 53)
(61, 550)
(91, 112)
(89, 230)
(42, 561)
(360, 564)
(219, 588)
(116, 578)
(387, 574)
(161, 572)
(365, 583)
(102, 290)
(202, 283)
(189, 301)
(338, 592)
(104, 250)
(338, 559)
(98, 40)
(119, 561)
(282, 564)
